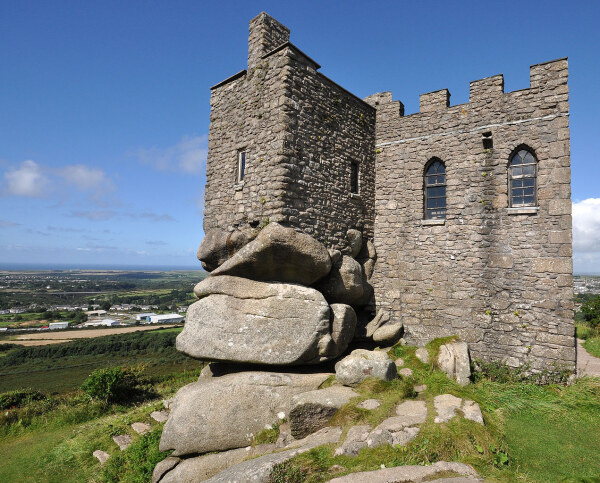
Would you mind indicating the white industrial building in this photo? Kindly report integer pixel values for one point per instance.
(103, 322)
(165, 319)
(144, 317)
(58, 325)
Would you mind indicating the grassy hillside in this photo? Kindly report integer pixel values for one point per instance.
(532, 433)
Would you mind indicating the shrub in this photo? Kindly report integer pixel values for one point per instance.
(116, 385)
(20, 398)
(591, 311)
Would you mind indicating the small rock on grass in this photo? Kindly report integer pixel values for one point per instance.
(422, 354)
(123, 441)
(421, 388)
(369, 404)
(140, 428)
(102, 456)
(159, 416)
(399, 362)
(406, 372)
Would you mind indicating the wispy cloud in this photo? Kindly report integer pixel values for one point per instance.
(156, 217)
(95, 215)
(8, 224)
(85, 178)
(26, 180)
(586, 225)
(156, 243)
(187, 156)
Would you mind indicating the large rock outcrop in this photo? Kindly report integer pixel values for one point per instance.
(219, 245)
(226, 412)
(346, 284)
(279, 254)
(242, 320)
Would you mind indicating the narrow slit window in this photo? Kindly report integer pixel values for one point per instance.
(354, 178)
(435, 190)
(522, 174)
(241, 167)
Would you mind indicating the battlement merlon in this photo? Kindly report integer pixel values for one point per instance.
(549, 78)
(266, 34)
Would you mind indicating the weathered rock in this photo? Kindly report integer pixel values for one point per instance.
(225, 412)
(279, 254)
(388, 333)
(311, 411)
(345, 284)
(219, 245)
(167, 402)
(257, 470)
(412, 412)
(422, 354)
(140, 428)
(242, 320)
(379, 437)
(407, 474)
(335, 255)
(367, 324)
(101, 456)
(360, 364)
(343, 326)
(123, 441)
(472, 411)
(164, 466)
(454, 360)
(192, 470)
(367, 258)
(356, 439)
(399, 362)
(355, 242)
(369, 404)
(160, 416)
(445, 406)
(420, 388)
(405, 372)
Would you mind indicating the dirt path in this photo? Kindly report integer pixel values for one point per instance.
(587, 364)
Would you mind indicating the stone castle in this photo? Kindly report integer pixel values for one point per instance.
(464, 210)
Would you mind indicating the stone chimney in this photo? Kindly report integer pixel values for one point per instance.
(266, 34)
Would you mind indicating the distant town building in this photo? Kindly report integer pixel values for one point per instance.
(58, 325)
(165, 319)
(144, 317)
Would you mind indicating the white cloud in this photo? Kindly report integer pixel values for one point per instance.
(188, 155)
(8, 224)
(94, 215)
(26, 180)
(586, 225)
(85, 178)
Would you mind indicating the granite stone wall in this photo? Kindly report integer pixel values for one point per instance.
(499, 277)
(301, 133)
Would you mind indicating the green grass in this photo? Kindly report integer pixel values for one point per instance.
(532, 433)
(592, 345)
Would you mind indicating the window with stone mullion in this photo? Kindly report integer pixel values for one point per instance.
(435, 191)
(522, 173)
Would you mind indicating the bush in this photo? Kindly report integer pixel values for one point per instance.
(19, 398)
(591, 311)
(117, 385)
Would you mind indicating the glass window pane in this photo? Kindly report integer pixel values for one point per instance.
(528, 157)
(517, 200)
(528, 191)
(528, 182)
(529, 170)
(528, 200)
(517, 171)
(517, 183)
(516, 159)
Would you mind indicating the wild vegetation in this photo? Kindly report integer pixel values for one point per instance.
(532, 432)
(587, 321)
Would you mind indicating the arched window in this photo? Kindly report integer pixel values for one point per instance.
(435, 190)
(522, 172)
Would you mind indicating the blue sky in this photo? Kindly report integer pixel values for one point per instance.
(104, 106)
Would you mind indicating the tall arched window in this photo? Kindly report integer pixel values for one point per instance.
(435, 190)
(522, 175)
